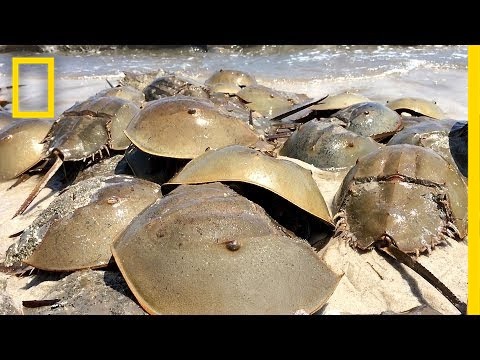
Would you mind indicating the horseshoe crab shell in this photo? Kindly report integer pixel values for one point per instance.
(266, 101)
(406, 192)
(238, 163)
(443, 136)
(340, 101)
(327, 146)
(124, 92)
(229, 81)
(119, 111)
(172, 85)
(370, 119)
(228, 258)
(78, 137)
(184, 127)
(76, 230)
(416, 107)
(21, 146)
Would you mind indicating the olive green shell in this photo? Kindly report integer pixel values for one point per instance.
(76, 230)
(229, 81)
(118, 111)
(416, 106)
(173, 85)
(340, 101)
(21, 146)
(399, 191)
(125, 93)
(326, 145)
(370, 119)
(78, 137)
(442, 136)
(264, 100)
(239, 163)
(184, 127)
(204, 249)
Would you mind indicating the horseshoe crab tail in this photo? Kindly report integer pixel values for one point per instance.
(400, 256)
(58, 162)
(109, 83)
(296, 109)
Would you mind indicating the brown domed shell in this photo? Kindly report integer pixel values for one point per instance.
(228, 258)
(21, 146)
(416, 106)
(76, 230)
(184, 127)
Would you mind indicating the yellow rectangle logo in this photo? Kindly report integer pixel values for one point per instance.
(473, 180)
(16, 62)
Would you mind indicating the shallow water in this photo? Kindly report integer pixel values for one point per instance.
(435, 72)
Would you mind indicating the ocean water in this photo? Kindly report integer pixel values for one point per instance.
(434, 72)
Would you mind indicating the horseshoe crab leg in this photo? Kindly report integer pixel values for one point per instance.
(56, 165)
(388, 248)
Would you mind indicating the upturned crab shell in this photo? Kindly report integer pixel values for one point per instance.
(340, 101)
(228, 258)
(239, 163)
(370, 119)
(416, 106)
(229, 81)
(76, 230)
(266, 101)
(443, 136)
(124, 92)
(406, 192)
(119, 112)
(184, 127)
(21, 147)
(326, 145)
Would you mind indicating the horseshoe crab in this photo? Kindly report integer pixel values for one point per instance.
(229, 258)
(416, 107)
(184, 127)
(229, 81)
(172, 85)
(326, 145)
(85, 130)
(283, 180)
(21, 147)
(402, 199)
(370, 119)
(124, 92)
(118, 110)
(338, 102)
(449, 138)
(76, 230)
(266, 101)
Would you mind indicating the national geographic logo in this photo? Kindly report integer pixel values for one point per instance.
(16, 63)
